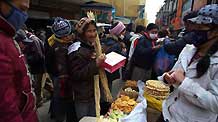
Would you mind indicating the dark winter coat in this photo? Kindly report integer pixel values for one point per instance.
(175, 48)
(35, 55)
(144, 55)
(63, 85)
(17, 100)
(82, 68)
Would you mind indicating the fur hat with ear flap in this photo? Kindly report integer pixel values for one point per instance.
(207, 15)
(61, 27)
(81, 24)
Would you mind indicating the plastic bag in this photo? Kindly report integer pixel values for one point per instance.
(153, 102)
(163, 62)
(139, 113)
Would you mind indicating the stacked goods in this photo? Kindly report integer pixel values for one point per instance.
(157, 89)
(124, 104)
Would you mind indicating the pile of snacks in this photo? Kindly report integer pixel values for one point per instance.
(157, 89)
(124, 104)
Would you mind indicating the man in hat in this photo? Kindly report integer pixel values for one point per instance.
(62, 106)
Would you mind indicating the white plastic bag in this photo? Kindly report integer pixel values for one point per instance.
(139, 113)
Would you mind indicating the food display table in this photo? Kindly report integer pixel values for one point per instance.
(148, 108)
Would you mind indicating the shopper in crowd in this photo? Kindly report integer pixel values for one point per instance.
(17, 100)
(195, 74)
(22, 40)
(187, 24)
(129, 33)
(144, 54)
(83, 66)
(163, 61)
(134, 40)
(175, 48)
(114, 43)
(62, 106)
(140, 29)
(35, 56)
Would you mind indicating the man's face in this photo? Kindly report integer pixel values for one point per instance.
(22, 5)
(153, 31)
(68, 38)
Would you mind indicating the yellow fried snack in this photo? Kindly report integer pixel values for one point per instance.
(124, 98)
(124, 103)
(132, 102)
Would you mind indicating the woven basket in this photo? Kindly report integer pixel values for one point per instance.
(132, 95)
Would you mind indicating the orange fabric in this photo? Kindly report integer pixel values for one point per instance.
(179, 8)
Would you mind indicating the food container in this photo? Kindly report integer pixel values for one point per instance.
(132, 92)
(113, 62)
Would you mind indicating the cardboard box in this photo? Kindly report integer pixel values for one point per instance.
(113, 62)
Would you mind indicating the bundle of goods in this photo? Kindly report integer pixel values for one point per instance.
(157, 89)
(124, 104)
(130, 89)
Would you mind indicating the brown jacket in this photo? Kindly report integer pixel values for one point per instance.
(83, 67)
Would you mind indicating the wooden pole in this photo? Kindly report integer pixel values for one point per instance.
(102, 74)
(97, 97)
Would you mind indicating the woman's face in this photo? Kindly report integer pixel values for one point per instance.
(90, 33)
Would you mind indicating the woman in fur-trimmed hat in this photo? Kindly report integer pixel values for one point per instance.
(83, 65)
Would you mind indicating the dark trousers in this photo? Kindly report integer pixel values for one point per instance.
(63, 109)
(85, 109)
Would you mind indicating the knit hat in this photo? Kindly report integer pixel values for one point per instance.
(81, 24)
(118, 28)
(207, 15)
(61, 27)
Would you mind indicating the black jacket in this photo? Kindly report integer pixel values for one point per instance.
(59, 64)
(144, 55)
(175, 48)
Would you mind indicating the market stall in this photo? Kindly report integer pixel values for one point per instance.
(136, 101)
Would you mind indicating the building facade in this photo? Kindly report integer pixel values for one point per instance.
(131, 9)
(172, 12)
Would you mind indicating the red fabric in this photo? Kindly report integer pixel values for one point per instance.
(17, 101)
(62, 87)
(153, 41)
(135, 43)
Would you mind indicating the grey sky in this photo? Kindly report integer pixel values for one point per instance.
(152, 7)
